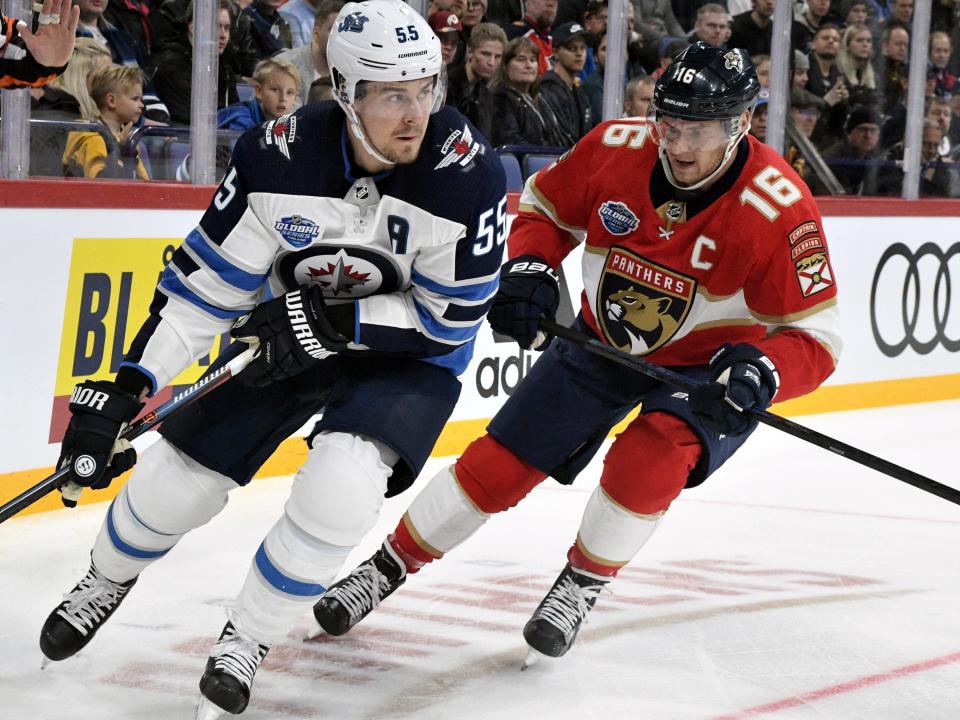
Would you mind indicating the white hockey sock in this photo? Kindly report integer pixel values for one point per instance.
(289, 573)
(443, 516)
(611, 535)
(168, 495)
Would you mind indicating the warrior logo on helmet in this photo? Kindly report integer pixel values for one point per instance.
(353, 23)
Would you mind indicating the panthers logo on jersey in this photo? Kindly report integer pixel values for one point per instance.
(641, 305)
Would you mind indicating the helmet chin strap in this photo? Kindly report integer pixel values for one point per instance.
(362, 137)
(665, 161)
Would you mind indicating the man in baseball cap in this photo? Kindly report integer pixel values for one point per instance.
(448, 28)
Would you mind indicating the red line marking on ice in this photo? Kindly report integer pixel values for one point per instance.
(820, 511)
(849, 686)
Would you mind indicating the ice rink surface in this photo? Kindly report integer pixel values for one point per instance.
(793, 584)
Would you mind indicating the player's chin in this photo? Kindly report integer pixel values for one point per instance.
(405, 149)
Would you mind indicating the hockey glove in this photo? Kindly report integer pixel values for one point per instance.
(294, 332)
(100, 411)
(743, 378)
(529, 288)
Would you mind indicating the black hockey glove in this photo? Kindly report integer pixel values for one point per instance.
(100, 411)
(529, 288)
(743, 379)
(294, 331)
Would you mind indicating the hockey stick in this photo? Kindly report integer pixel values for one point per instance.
(153, 418)
(666, 375)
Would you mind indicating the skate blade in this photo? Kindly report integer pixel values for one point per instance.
(44, 661)
(533, 657)
(207, 710)
(314, 631)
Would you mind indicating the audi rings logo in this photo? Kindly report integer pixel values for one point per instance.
(924, 280)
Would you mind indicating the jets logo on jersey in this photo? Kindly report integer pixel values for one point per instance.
(297, 230)
(341, 271)
(641, 304)
(281, 133)
(814, 274)
(617, 218)
(353, 22)
(459, 147)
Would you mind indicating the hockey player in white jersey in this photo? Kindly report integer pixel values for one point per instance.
(363, 239)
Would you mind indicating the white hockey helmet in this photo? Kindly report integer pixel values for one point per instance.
(385, 41)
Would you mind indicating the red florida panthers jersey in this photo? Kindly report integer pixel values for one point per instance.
(673, 275)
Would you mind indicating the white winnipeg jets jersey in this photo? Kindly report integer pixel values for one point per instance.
(417, 248)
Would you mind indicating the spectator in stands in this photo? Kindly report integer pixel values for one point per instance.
(473, 13)
(758, 123)
(270, 31)
(122, 48)
(175, 67)
(505, 12)
(560, 87)
(799, 70)
(712, 26)
(854, 12)
(537, 25)
(805, 111)
(449, 29)
(132, 17)
(454, 7)
(824, 73)
(673, 49)
(940, 52)
(854, 61)
(311, 59)
(595, 23)
(901, 13)
(638, 97)
(300, 16)
(657, 21)
(467, 84)
(852, 158)
(762, 65)
(753, 30)
(940, 110)
(276, 92)
(937, 179)
(168, 24)
(806, 19)
(593, 84)
(88, 56)
(117, 91)
(320, 90)
(522, 119)
(890, 66)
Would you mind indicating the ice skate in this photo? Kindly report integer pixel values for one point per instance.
(555, 623)
(228, 677)
(350, 600)
(75, 621)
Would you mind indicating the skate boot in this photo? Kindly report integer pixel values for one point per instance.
(555, 623)
(350, 600)
(228, 677)
(75, 621)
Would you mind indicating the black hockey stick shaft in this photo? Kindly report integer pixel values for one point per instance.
(153, 418)
(826, 442)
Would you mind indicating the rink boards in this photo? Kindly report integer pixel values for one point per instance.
(81, 273)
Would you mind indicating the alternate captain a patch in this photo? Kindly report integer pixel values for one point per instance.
(641, 305)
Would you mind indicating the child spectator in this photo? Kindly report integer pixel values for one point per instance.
(117, 91)
(276, 89)
(320, 90)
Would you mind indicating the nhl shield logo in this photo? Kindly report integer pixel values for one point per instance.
(641, 305)
(674, 210)
(362, 192)
(617, 218)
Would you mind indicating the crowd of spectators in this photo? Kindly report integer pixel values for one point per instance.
(529, 73)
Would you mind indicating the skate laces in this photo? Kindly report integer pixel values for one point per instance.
(569, 603)
(238, 654)
(91, 600)
(363, 590)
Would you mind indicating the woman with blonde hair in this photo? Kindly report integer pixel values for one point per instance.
(88, 56)
(521, 117)
(855, 62)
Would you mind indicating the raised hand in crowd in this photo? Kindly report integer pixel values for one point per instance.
(52, 44)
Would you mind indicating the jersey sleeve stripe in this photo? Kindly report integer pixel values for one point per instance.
(147, 373)
(173, 285)
(227, 271)
(477, 292)
(444, 333)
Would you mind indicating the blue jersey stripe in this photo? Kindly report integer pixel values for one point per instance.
(456, 361)
(439, 330)
(476, 292)
(172, 283)
(281, 582)
(228, 272)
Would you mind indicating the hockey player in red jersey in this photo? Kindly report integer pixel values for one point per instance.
(704, 252)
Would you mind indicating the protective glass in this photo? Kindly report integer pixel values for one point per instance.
(693, 135)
